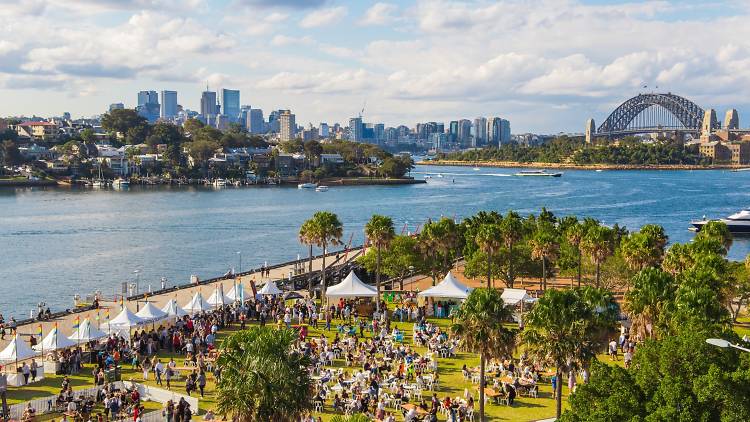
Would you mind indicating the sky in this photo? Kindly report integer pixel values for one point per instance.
(546, 65)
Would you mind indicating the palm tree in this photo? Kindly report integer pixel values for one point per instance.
(450, 241)
(307, 236)
(544, 246)
(716, 230)
(489, 241)
(512, 230)
(598, 245)
(564, 329)
(380, 232)
(653, 290)
(328, 232)
(575, 234)
(636, 251)
(479, 326)
(263, 379)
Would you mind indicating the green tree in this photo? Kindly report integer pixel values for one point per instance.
(10, 155)
(564, 329)
(649, 301)
(400, 259)
(478, 323)
(544, 247)
(512, 233)
(262, 377)
(488, 238)
(122, 120)
(191, 126)
(308, 235)
(380, 232)
(574, 235)
(329, 231)
(716, 230)
(597, 243)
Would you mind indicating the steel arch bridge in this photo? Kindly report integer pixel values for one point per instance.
(646, 113)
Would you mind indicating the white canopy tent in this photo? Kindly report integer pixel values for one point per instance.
(237, 292)
(270, 289)
(217, 298)
(511, 297)
(54, 341)
(449, 288)
(124, 322)
(197, 304)
(86, 332)
(151, 313)
(17, 350)
(172, 309)
(351, 286)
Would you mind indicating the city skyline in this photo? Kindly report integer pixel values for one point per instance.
(546, 66)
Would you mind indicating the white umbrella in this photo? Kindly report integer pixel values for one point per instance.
(54, 341)
(86, 332)
(270, 288)
(172, 309)
(151, 313)
(197, 304)
(217, 298)
(17, 350)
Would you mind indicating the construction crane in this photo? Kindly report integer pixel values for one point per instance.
(362, 112)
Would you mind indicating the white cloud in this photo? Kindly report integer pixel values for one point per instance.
(323, 17)
(284, 40)
(347, 82)
(380, 14)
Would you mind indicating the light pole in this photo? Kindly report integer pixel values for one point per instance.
(137, 281)
(239, 254)
(720, 342)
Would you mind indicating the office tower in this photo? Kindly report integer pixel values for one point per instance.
(323, 130)
(287, 125)
(273, 121)
(244, 114)
(480, 131)
(255, 121)
(230, 101)
(379, 129)
(453, 131)
(168, 104)
(148, 105)
(355, 129)
(493, 130)
(464, 131)
(208, 105)
(116, 106)
(504, 131)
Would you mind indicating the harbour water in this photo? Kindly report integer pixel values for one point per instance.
(58, 242)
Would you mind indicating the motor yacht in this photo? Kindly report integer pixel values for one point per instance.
(538, 173)
(321, 188)
(307, 186)
(738, 223)
(121, 183)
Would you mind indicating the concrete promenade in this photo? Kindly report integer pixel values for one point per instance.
(182, 295)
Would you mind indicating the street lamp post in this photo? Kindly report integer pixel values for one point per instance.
(239, 254)
(719, 342)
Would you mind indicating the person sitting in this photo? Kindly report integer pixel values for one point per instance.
(28, 413)
(510, 392)
(209, 416)
(337, 404)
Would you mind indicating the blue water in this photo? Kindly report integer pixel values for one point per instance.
(58, 242)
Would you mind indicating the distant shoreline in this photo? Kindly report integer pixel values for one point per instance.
(511, 164)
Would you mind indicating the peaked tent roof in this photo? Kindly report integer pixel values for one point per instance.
(17, 349)
(450, 288)
(126, 319)
(270, 288)
(351, 286)
(218, 298)
(513, 296)
(149, 312)
(86, 332)
(197, 304)
(237, 292)
(54, 341)
(172, 309)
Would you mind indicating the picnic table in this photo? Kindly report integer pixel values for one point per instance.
(494, 395)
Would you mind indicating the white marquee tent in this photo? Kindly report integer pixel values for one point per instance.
(511, 297)
(197, 304)
(270, 289)
(449, 288)
(237, 292)
(54, 341)
(86, 332)
(172, 309)
(17, 350)
(151, 313)
(351, 286)
(217, 298)
(123, 322)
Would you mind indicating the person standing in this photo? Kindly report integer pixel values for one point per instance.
(201, 382)
(33, 368)
(158, 371)
(26, 371)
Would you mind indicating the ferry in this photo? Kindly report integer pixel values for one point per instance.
(538, 173)
(307, 186)
(321, 188)
(738, 223)
(121, 183)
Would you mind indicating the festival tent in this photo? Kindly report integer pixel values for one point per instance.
(86, 332)
(197, 304)
(351, 286)
(270, 289)
(122, 323)
(54, 341)
(449, 288)
(511, 297)
(172, 309)
(151, 313)
(217, 298)
(237, 292)
(17, 350)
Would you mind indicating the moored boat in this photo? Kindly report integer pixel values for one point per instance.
(538, 173)
(738, 223)
(307, 186)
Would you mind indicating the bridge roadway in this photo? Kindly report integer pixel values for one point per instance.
(182, 294)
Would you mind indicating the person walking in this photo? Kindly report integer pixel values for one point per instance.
(26, 371)
(201, 382)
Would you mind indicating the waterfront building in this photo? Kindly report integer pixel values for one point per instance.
(148, 105)
(42, 131)
(287, 125)
(168, 105)
(230, 101)
(355, 129)
(208, 105)
(116, 106)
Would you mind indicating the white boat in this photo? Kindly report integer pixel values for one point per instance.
(439, 175)
(321, 188)
(476, 169)
(307, 186)
(599, 170)
(99, 183)
(538, 173)
(741, 169)
(220, 183)
(121, 183)
(738, 223)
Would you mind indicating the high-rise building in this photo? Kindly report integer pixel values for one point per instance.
(464, 131)
(379, 130)
(498, 131)
(323, 131)
(480, 131)
(255, 121)
(208, 105)
(168, 104)
(356, 129)
(287, 126)
(244, 112)
(116, 106)
(230, 101)
(504, 131)
(148, 105)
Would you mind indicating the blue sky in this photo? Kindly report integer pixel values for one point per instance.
(546, 65)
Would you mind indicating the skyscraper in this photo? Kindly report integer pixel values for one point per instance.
(323, 130)
(453, 131)
(356, 129)
(480, 131)
(116, 106)
(287, 126)
(255, 121)
(208, 105)
(464, 131)
(148, 105)
(504, 131)
(230, 102)
(168, 104)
